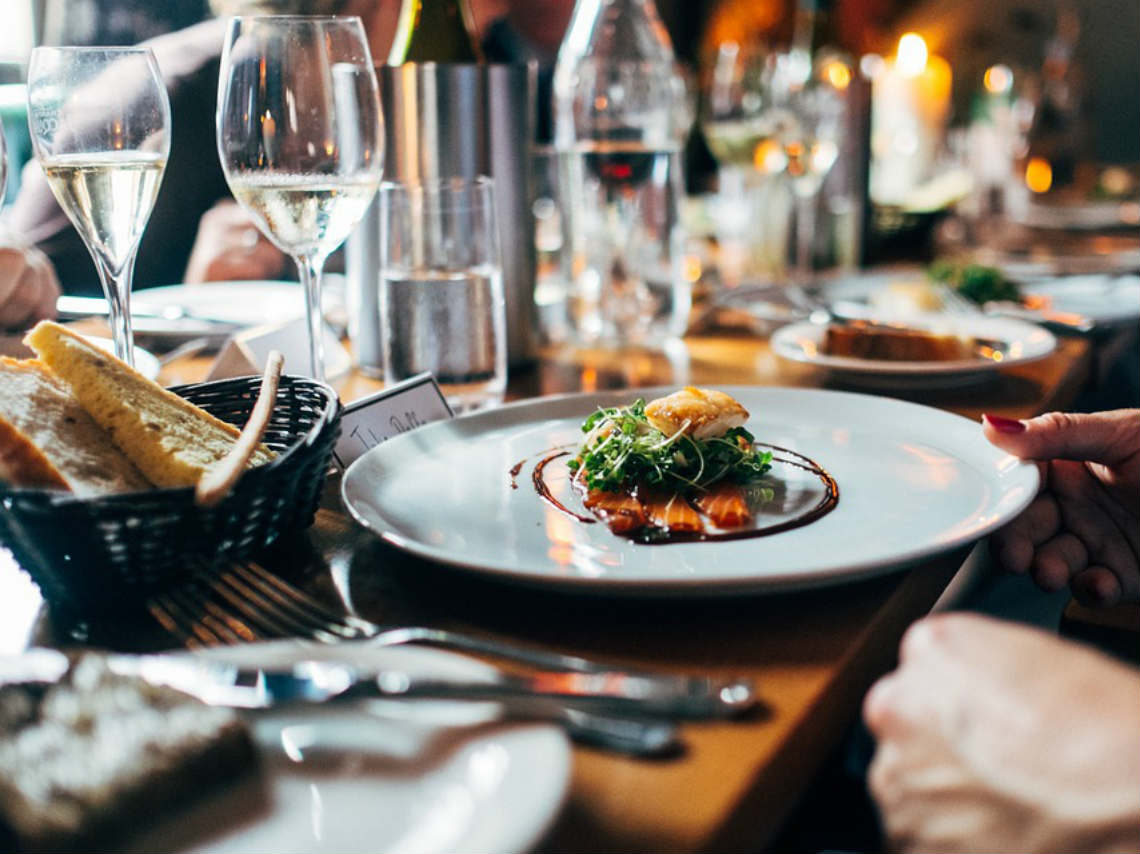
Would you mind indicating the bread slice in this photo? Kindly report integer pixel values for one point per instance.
(48, 440)
(169, 439)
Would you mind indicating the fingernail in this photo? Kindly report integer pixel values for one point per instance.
(1004, 425)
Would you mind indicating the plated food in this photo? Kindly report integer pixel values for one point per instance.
(886, 456)
(80, 420)
(897, 343)
(680, 468)
(89, 757)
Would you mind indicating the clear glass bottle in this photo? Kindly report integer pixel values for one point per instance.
(621, 116)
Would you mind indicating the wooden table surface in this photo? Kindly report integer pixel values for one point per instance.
(812, 655)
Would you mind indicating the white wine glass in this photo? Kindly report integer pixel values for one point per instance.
(100, 124)
(300, 137)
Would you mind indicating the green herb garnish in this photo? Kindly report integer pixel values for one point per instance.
(622, 449)
(975, 282)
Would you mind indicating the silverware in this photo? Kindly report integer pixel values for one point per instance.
(171, 319)
(224, 609)
(323, 681)
(246, 602)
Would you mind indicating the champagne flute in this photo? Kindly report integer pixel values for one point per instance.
(300, 138)
(100, 124)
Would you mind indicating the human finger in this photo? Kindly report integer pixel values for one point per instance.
(1014, 545)
(1097, 585)
(22, 299)
(1103, 437)
(1088, 514)
(1057, 561)
(12, 265)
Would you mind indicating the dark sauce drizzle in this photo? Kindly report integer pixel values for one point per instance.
(659, 536)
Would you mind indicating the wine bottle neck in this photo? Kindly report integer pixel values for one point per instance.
(435, 31)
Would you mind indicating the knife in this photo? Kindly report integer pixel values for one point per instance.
(167, 320)
(317, 682)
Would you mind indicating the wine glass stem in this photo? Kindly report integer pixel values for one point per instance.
(117, 289)
(805, 236)
(310, 268)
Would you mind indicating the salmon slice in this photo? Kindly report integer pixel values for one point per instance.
(623, 513)
(726, 505)
(670, 511)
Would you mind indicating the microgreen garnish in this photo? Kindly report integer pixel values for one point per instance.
(622, 449)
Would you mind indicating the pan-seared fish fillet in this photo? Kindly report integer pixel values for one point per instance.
(698, 412)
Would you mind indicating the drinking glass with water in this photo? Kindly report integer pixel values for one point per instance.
(441, 289)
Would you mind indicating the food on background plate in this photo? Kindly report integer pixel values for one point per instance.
(678, 469)
(926, 293)
(976, 283)
(877, 341)
(169, 440)
(48, 440)
(94, 756)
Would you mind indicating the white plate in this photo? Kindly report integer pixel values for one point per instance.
(1024, 342)
(243, 303)
(145, 361)
(1105, 300)
(913, 482)
(417, 777)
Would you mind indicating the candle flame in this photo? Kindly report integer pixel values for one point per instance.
(837, 74)
(911, 56)
(1038, 175)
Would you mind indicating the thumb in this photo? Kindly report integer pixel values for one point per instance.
(1100, 437)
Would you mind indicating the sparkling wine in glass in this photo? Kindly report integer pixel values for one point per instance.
(100, 124)
(300, 138)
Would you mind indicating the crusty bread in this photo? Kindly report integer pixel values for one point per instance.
(48, 440)
(168, 438)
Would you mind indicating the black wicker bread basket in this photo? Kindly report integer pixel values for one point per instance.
(97, 554)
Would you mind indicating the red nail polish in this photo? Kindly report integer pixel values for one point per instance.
(1004, 425)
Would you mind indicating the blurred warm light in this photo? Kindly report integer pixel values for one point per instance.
(871, 65)
(1038, 175)
(692, 265)
(768, 157)
(911, 57)
(837, 74)
(998, 79)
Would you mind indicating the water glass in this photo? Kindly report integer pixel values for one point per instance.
(441, 289)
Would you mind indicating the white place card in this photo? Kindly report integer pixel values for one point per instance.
(368, 422)
(246, 352)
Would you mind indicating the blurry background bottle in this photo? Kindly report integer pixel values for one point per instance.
(621, 117)
(435, 31)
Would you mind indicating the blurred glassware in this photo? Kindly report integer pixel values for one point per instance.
(441, 288)
(100, 125)
(622, 114)
(300, 138)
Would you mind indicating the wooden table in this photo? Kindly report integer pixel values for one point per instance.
(813, 655)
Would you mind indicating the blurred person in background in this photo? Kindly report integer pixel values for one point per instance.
(196, 231)
(28, 285)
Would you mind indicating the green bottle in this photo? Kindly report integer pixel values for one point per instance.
(435, 31)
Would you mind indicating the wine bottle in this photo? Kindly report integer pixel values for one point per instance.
(435, 31)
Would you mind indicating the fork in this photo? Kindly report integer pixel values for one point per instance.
(190, 615)
(264, 605)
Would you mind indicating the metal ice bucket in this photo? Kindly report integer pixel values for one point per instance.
(443, 121)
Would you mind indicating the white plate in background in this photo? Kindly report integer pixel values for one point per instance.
(1023, 342)
(145, 361)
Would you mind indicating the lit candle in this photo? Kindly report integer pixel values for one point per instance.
(910, 106)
